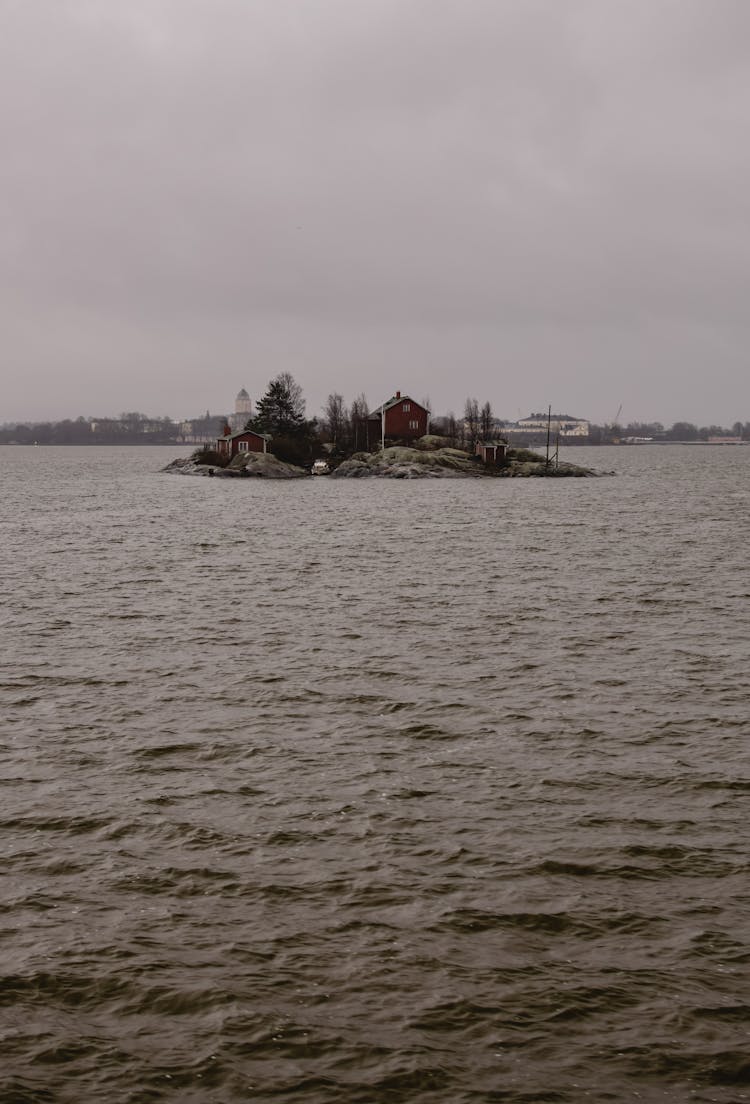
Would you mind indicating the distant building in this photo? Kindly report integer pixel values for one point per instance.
(399, 418)
(201, 431)
(534, 428)
(563, 424)
(243, 411)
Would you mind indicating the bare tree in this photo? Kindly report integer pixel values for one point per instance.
(358, 419)
(472, 422)
(487, 422)
(336, 417)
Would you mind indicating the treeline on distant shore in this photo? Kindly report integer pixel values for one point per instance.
(280, 414)
(128, 429)
(655, 431)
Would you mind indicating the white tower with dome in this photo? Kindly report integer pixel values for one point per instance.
(243, 411)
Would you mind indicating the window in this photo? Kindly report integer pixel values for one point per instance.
(414, 424)
(243, 446)
(406, 408)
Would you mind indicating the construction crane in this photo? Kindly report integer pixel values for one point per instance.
(615, 427)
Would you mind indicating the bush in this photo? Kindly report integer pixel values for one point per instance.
(210, 456)
(292, 450)
(525, 456)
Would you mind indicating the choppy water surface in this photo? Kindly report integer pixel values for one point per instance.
(374, 791)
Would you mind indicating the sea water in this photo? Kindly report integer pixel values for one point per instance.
(374, 791)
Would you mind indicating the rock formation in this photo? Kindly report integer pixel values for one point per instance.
(244, 465)
(449, 463)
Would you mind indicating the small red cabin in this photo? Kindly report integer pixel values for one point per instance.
(491, 452)
(247, 440)
(400, 417)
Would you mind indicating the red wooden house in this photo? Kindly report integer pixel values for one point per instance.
(400, 418)
(247, 440)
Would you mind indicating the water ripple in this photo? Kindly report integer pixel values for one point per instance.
(366, 792)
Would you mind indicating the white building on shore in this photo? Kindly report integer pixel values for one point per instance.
(562, 425)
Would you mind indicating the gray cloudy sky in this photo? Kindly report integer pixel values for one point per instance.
(532, 201)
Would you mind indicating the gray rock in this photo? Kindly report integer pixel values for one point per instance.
(248, 464)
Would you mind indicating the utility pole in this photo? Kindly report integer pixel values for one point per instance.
(549, 423)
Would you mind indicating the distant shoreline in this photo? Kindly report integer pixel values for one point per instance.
(524, 445)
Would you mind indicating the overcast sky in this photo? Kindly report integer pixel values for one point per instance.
(530, 201)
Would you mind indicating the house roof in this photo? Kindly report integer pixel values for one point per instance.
(243, 433)
(394, 402)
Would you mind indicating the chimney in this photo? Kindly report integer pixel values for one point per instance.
(398, 394)
(227, 429)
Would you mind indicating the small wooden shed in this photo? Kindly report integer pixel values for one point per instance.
(491, 452)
